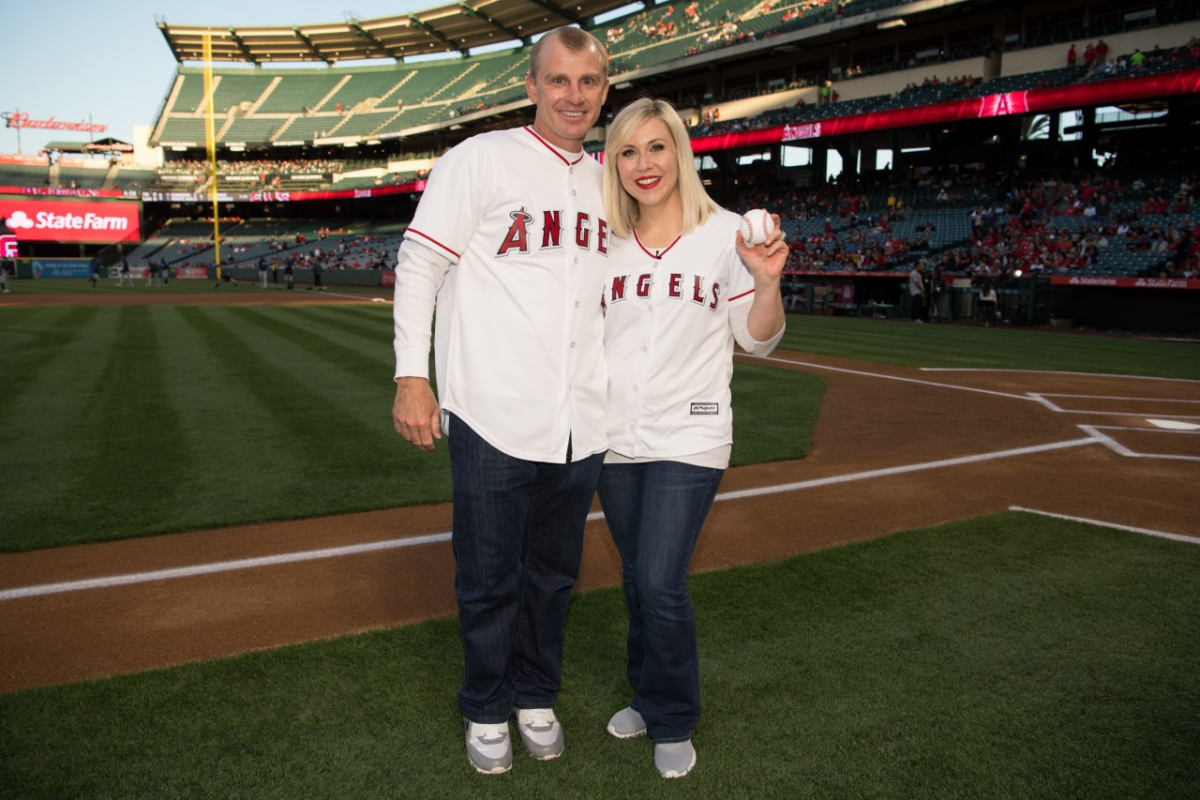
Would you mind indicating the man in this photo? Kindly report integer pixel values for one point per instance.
(263, 266)
(510, 237)
(916, 291)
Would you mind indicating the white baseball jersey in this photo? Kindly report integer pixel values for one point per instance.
(518, 345)
(669, 343)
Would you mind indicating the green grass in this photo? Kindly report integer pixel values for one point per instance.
(132, 420)
(900, 342)
(177, 286)
(1009, 656)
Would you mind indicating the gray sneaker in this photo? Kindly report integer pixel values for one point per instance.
(489, 747)
(626, 724)
(674, 760)
(540, 732)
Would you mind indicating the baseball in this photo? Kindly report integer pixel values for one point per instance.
(756, 226)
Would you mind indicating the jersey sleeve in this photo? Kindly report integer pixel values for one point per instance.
(455, 198)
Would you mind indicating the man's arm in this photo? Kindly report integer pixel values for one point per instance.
(420, 272)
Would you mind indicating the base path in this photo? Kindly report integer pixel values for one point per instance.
(894, 449)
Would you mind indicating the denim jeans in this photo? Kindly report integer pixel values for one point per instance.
(517, 541)
(655, 511)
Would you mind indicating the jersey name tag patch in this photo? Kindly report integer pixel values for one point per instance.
(705, 409)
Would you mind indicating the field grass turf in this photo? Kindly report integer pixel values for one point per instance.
(124, 421)
(1008, 656)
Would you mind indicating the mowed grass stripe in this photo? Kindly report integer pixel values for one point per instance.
(900, 342)
(50, 430)
(336, 426)
(240, 452)
(1009, 656)
(125, 483)
(370, 361)
(373, 327)
(33, 339)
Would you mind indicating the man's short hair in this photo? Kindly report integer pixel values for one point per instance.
(571, 38)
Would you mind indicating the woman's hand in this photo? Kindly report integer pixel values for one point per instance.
(765, 261)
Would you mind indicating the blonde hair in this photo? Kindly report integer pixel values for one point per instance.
(621, 208)
(572, 39)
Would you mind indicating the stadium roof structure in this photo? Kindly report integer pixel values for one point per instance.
(458, 27)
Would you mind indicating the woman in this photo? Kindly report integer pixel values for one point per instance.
(681, 288)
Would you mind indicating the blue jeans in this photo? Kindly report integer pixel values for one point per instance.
(655, 511)
(517, 540)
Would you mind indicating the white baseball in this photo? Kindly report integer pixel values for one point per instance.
(756, 226)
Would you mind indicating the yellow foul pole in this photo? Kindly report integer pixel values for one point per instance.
(210, 141)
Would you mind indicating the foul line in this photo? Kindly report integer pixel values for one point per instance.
(863, 374)
(1057, 372)
(1146, 531)
(391, 544)
(219, 566)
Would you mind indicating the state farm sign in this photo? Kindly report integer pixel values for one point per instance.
(65, 221)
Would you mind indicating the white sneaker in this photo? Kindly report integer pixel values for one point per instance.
(674, 760)
(489, 747)
(540, 732)
(626, 724)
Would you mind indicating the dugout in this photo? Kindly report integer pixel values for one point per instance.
(1148, 305)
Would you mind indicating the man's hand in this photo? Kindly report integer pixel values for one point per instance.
(415, 413)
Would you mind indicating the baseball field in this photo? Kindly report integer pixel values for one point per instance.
(948, 561)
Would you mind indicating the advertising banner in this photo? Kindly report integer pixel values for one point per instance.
(60, 268)
(37, 220)
(389, 278)
(1125, 283)
(191, 272)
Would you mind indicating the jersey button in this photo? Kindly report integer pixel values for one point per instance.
(572, 345)
(577, 304)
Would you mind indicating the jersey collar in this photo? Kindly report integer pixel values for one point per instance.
(655, 255)
(563, 155)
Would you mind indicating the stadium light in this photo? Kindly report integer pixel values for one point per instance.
(891, 23)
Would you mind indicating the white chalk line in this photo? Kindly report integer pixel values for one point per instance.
(219, 566)
(1122, 450)
(1057, 372)
(1145, 531)
(1057, 409)
(899, 378)
(391, 544)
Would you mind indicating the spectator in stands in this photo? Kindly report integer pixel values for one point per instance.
(524, 466)
(1071, 56)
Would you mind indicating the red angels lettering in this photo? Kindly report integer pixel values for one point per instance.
(618, 288)
(644, 284)
(601, 237)
(583, 233)
(716, 297)
(673, 285)
(698, 291)
(518, 234)
(551, 229)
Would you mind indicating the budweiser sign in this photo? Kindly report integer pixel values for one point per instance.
(19, 119)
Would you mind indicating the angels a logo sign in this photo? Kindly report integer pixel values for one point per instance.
(8, 246)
